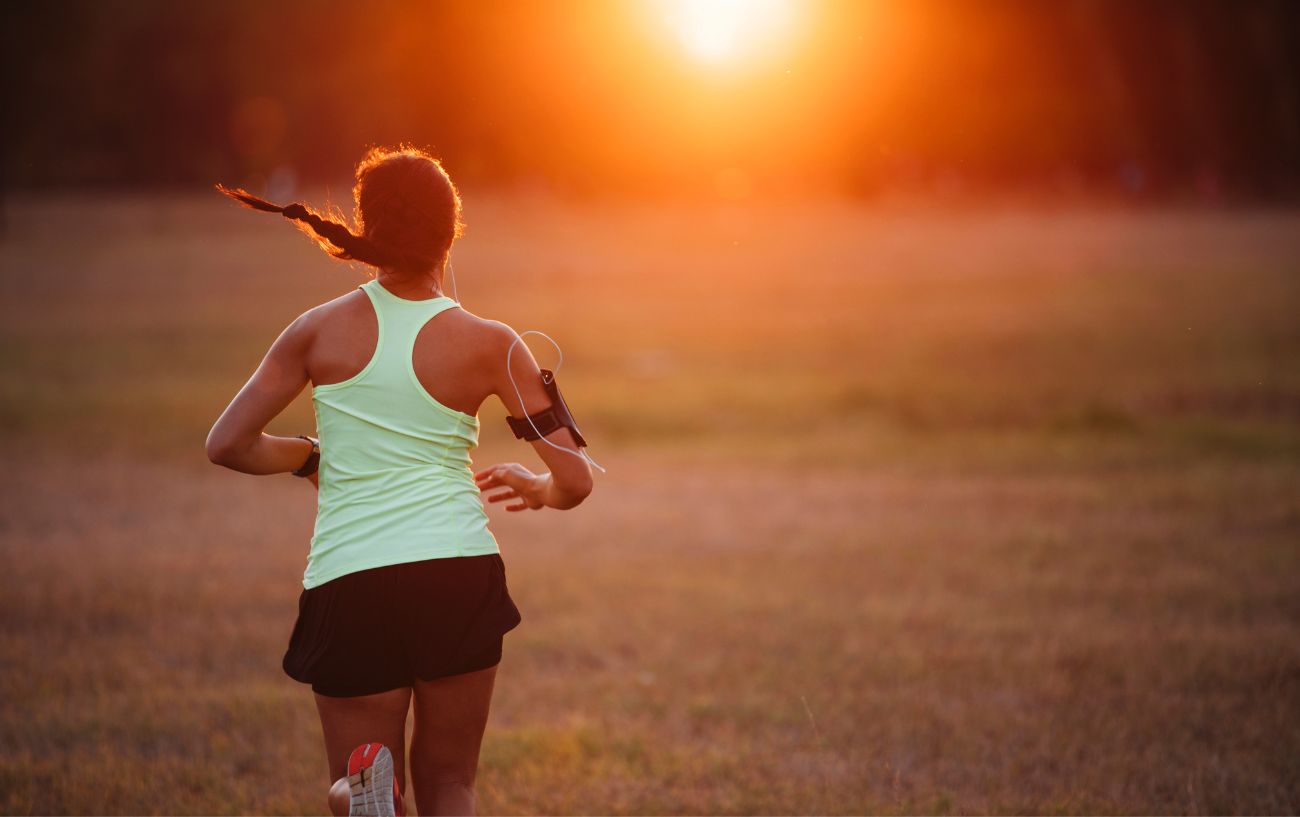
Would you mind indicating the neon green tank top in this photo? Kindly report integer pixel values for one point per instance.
(394, 474)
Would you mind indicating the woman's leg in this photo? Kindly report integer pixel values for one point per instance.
(350, 722)
(450, 716)
(340, 797)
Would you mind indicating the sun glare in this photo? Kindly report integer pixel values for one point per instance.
(726, 31)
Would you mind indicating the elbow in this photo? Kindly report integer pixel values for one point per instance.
(577, 489)
(588, 483)
(218, 450)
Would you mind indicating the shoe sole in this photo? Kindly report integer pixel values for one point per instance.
(370, 781)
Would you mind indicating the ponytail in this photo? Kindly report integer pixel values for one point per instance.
(334, 237)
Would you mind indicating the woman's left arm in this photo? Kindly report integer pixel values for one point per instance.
(237, 440)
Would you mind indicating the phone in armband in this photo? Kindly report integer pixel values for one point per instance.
(552, 418)
(538, 425)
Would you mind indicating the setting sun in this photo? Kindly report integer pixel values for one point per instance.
(725, 31)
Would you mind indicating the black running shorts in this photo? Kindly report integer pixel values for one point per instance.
(382, 628)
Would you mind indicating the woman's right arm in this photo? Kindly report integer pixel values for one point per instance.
(569, 480)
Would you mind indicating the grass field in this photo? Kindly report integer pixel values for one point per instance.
(907, 511)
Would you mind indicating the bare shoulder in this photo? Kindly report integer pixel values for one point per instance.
(350, 307)
(488, 336)
(350, 303)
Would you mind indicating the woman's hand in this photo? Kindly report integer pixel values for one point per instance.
(520, 483)
(314, 477)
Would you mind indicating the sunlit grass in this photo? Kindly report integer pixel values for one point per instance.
(907, 511)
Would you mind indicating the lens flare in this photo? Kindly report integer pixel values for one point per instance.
(725, 31)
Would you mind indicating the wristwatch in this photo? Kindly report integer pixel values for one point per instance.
(313, 459)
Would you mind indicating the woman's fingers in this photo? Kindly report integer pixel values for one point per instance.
(515, 478)
(491, 472)
(489, 479)
(511, 473)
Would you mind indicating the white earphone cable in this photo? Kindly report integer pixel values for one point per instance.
(581, 452)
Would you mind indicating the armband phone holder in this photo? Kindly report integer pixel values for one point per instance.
(552, 418)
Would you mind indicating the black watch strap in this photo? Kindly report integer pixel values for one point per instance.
(313, 459)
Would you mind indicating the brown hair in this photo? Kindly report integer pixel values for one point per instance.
(407, 212)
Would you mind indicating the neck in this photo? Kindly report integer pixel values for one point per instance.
(412, 286)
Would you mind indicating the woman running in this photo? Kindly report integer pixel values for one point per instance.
(404, 599)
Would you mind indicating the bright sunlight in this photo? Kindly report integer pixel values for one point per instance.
(726, 31)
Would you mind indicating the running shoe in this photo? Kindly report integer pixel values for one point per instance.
(371, 782)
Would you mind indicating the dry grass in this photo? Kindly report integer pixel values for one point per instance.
(936, 512)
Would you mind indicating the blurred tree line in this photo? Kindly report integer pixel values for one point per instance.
(1138, 98)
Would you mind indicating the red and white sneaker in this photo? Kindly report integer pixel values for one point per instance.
(371, 781)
